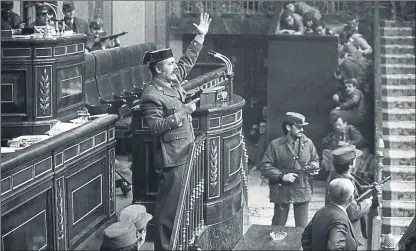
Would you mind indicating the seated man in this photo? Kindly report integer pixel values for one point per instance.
(43, 16)
(342, 135)
(350, 104)
(9, 19)
(97, 42)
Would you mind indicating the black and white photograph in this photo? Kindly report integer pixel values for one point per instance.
(208, 125)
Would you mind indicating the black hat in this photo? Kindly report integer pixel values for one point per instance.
(68, 6)
(156, 56)
(42, 9)
(296, 118)
(7, 4)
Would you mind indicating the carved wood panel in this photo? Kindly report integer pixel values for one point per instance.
(44, 90)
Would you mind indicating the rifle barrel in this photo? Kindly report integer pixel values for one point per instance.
(363, 195)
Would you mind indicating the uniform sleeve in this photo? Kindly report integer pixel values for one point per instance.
(357, 138)
(153, 112)
(307, 237)
(314, 156)
(365, 48)
(188, 60)
(356, 210)
(352, 101)
(267, 164)
(337, 237)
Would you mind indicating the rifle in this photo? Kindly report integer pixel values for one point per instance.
(21, 22)
(304, 172)
(112, 36)
(372, 188)
(193, 96)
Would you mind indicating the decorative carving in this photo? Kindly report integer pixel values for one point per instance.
(60, 206)
(213, 165)
(112, 156)
(44, 87)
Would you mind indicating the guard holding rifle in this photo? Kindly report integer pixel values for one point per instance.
(100, 41)
(9, 19)
(343, 159)
(288, 163)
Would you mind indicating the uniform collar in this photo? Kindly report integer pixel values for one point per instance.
(288, 139)
(167, 89)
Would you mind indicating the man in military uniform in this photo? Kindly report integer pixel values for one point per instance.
(97, 30)
(169, 120)
(9, 19)
(293, 151)
(73, 23)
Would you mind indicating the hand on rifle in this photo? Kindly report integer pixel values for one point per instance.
(377, 187)
(189, 108)
(289, 177)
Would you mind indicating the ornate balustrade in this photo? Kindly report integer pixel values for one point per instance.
(189, 220)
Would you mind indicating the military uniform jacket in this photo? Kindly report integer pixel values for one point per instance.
(278, 158)
(351, 135)
(10, 22)
(160, 102)
(329, 229)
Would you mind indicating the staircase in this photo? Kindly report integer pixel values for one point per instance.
(397, 44)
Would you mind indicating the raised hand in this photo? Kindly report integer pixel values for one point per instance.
(204, 22)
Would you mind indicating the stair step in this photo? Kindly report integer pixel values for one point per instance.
(397, 69)
(404, 173)
(402, 115)
(399, 190)
(399, 90)
(395, 225)
(397, 49)
(393, 208)
(396, 31)
(399, 142)
(398, 40)
(399, 127)
(398, 157)
(398, 59)
(398, 79)
(399, 102)
(396, 23)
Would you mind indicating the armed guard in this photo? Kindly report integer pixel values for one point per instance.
(98, 41)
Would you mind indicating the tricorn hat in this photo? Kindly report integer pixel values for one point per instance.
(119, 235)
(345, 154)
(68, 6)
(135, 214)
(156, 56)
(296, 118)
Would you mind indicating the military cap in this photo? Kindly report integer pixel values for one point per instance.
(42, 9)
(135, 214)
(156, 56)
(68, 6)
(345, 154)
(119, 235)
(97, 23)
(296, 118)
(7, 4)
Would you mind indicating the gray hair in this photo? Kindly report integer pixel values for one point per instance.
(340, 190)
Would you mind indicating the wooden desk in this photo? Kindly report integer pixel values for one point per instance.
(59, 193)
(258, 238)
(42, 81)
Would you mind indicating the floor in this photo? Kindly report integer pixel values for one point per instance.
(260, 209)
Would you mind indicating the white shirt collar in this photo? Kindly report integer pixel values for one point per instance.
(342, 208)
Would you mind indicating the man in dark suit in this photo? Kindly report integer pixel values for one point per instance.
(73, 23)
(169, 120)
(330, 228)
(9, 19)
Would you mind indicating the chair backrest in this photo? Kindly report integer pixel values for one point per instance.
(91, 92)
(125, 69)
(115, 72)
(103, 68)
(136, 57)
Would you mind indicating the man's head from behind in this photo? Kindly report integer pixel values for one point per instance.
(6, 8)
(344, 158)
(341, 191)
(162, 64)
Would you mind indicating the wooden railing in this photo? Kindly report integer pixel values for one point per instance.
(189, 219)
(375, 222)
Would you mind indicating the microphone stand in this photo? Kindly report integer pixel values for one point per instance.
(229, 75)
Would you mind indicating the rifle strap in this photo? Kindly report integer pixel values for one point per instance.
(294, 155)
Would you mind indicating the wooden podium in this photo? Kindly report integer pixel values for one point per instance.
(42, 81)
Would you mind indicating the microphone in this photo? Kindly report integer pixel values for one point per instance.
(213, 53)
